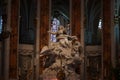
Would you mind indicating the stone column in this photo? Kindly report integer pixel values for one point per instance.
(44, 26)
(108, 17)
(13, 56)
(6, 41)
(0, 60)
(83, 67)
(44, 22)
(77, 27)
(76, 18)
(37, 42)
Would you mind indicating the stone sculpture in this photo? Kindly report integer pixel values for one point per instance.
(62, 58)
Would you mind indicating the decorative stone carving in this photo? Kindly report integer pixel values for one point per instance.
(4, 34)
(62, 60)
(25, 64)
(94, 65)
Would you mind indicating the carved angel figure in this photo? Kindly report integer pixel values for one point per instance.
(61, 36)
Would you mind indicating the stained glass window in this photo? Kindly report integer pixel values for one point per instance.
(54, 28)
(1, 21)
(100, 24)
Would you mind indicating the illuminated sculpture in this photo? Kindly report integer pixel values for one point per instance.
(62, 58)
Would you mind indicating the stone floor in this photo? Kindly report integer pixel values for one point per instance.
(52, 76)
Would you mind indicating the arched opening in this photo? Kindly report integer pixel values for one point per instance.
(60, 15)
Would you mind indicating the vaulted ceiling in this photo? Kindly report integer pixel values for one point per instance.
(60, 7)
(92, 12)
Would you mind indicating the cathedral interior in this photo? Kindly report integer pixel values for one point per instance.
(24, 32)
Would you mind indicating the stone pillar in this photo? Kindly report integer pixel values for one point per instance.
(77, 27)
(83, 67)
(37, 42)
(6, 42)
(0, 60)
(108, 17)
(44, 25)
(76, 18)
(44, 22)
(13, 56)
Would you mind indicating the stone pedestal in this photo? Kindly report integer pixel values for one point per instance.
(25, 65)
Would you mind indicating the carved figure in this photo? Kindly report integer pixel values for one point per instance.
(61, 36)
(62, 57)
